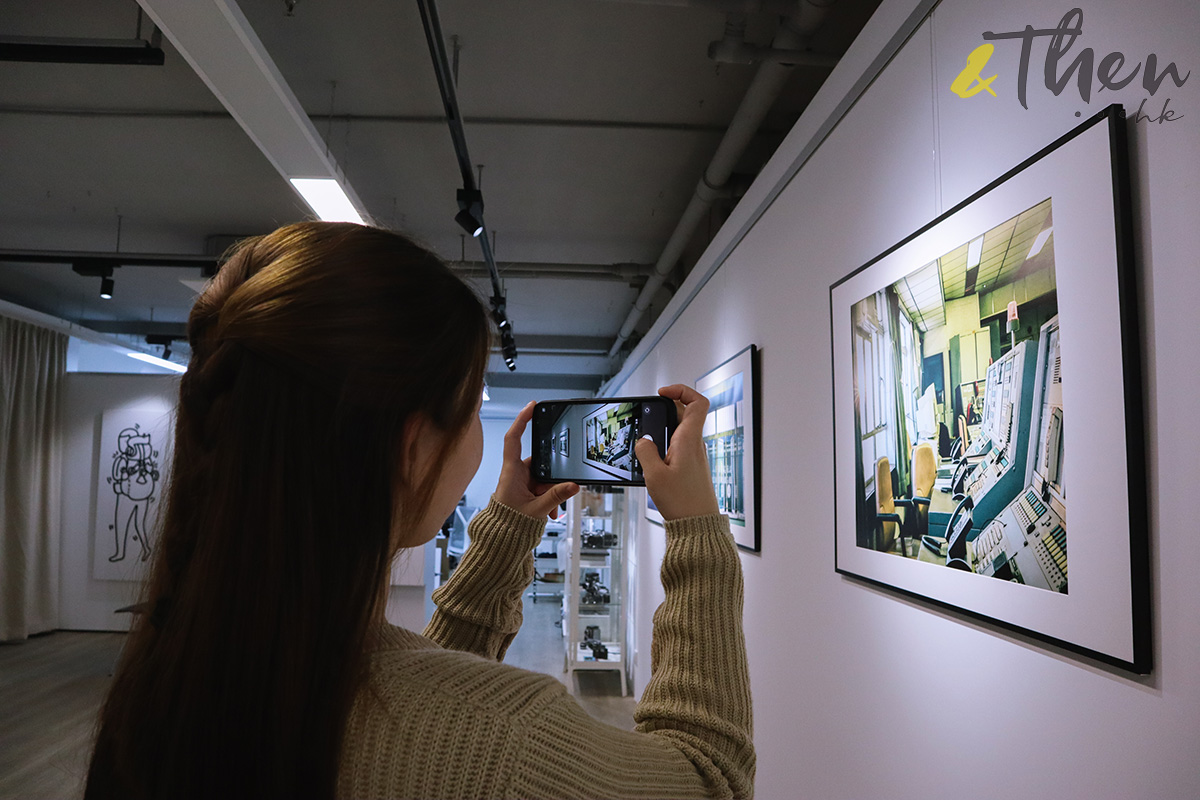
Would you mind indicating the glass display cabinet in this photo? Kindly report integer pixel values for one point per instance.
(593, 607)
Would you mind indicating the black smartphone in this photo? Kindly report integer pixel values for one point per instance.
(590, 441)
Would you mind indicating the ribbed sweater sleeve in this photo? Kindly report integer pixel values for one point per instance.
(699, 691)
(479, 608)
(527, 737)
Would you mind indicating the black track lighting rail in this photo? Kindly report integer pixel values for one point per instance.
(89, 260)
(80, 51)
(470, 199)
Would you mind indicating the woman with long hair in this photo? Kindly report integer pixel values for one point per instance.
(327, 420)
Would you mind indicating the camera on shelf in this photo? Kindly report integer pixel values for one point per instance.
(598, 541)
(591, 640)
(594, 592)
(599, 651)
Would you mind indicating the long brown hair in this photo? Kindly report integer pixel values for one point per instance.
(311, 349)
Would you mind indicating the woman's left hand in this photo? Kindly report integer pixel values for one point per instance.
(516, 488)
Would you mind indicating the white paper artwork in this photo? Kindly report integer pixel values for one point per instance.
(135, 448)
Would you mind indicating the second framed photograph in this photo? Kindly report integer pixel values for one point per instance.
(731, 439)
(957, 356)
(650, 510)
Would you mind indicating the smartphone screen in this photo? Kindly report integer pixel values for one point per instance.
(591, 441)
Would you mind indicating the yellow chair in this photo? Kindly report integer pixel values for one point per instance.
(887, 521)
(914, 523)
(924, 475)
(924, 465)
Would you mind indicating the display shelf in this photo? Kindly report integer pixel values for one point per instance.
(548, 574)
(594, 631)
(585, 657)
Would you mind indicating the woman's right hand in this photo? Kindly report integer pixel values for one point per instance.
(681, 484)
(517, 489)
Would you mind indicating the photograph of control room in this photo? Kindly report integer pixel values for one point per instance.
(605, 432)
(958, 409)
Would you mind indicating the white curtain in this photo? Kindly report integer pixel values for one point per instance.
(32, 364)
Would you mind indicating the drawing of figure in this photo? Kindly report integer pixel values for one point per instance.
(134, 480)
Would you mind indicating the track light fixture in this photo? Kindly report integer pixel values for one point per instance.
(97, 267)
(508, 343)
(470, 200)
(165, 341)
(470, 211)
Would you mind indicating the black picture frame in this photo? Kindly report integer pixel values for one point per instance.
(1078, 358)
(732, 382)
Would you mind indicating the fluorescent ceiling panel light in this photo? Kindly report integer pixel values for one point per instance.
(974, 252)
(197, 286)
(158, 362)
(1039, 243)
(217, 40)
(327, 199)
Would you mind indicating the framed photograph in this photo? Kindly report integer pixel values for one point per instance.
(651, 511)
(957, 355)
(730, 437)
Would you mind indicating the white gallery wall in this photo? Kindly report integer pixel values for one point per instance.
(860, 693)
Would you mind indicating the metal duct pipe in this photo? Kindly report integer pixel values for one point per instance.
(760, 96)
(624, 273)
(747, 6)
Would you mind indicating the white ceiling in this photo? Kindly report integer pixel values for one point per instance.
(594, 120)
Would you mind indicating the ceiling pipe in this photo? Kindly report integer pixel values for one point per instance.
(388, 119)
(768, 82)
(624, 273)
(208, 264)
(725, 6)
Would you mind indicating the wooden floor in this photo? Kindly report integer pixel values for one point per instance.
(51, 687)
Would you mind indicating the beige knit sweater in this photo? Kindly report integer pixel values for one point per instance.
(440, 718)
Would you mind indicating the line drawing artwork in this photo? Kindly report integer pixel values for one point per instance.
(134, 480)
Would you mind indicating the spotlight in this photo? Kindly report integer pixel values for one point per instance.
(470, 211)
(468, 223)
(97, 267)
(508, 346)
(164, 340)
(508, 343)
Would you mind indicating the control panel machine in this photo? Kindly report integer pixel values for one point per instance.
(1000, 452)
(1027, 541)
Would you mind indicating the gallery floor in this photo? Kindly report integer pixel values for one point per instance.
(52, 685)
